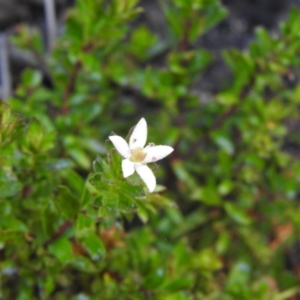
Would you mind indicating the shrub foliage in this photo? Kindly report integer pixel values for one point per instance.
(223, 222)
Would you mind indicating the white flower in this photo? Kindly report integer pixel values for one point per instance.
(136, 156)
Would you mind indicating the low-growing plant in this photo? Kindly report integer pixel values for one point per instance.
(222, 222)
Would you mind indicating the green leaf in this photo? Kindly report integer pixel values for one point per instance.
(97, 182)
(237, 214)
(79, 156)
(50, 219)
(207, 259)
(242, 66)
(126, 202)
(238, 277)
(12, 224)
(224, 143)
(11, 125)
(62, 250)
(208, 195)
(31, 78)
(83, 264)
(9, 184)
(67, 203)
(93, 245)
(155, 279)
(142, 212)
(84, 225)
(75, 181)
(215, 14)
(140, 42)
(37, 140)
(263, 40)
(48, 141)
(130, 189)
(101, 166)
(225, 187)
(178, 284)
(115, 162)
(110, 200)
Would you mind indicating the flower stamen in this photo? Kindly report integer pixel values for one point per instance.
(137, 155)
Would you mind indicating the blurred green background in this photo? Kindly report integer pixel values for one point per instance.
(223, 222)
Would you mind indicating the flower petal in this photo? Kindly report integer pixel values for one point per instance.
(121, 145)
(156, 153)
(127, 167)
(147, 176)
(138, 137)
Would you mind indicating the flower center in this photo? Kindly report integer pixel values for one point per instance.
(137, 155)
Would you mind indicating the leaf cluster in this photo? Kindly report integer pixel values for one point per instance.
(223, 222)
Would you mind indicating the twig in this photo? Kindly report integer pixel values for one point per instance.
(49, 7)
(70, 88)
(184, 43)
(4, 68)
(57, 234)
